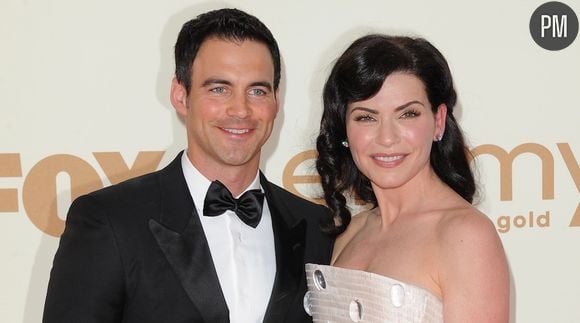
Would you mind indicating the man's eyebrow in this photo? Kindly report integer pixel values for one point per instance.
(211, 81)
(265, 84)
(214, 81)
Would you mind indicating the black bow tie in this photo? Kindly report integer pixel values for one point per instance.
(248, 207)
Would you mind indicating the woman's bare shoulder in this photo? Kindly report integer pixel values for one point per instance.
(465, 222)
(473, 271)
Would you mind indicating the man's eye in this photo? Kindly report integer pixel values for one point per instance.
(218, 90)
(257, 92)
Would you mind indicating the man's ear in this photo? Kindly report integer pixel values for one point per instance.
(178, 97)
(440, 117)
(277, 97)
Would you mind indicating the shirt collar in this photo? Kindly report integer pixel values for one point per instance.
(199, 184)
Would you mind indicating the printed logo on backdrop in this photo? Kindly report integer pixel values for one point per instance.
(48, 187)
(301, 179)
(53, 182)
(554, 25)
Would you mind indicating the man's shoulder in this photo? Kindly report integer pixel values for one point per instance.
(291, 198)
(133, 187)
(139, 190)
(143, 186)
(315, 216)
(297, 207)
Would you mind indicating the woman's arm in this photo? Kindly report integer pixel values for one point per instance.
(474, 273)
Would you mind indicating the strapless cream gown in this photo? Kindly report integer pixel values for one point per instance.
(339, 295)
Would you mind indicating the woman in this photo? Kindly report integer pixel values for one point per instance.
(388, 136)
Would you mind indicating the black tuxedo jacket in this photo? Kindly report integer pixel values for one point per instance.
(136, 252)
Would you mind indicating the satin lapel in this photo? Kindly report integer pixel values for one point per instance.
(289, 238)
(180, 236)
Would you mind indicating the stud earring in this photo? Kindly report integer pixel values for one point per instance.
(345, 143)
(438, 138)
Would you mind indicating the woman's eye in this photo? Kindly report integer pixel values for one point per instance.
(364, 118)
(410, 114)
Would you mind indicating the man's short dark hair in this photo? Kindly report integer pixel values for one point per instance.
(226, 24)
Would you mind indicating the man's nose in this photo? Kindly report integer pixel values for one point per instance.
(239, 106)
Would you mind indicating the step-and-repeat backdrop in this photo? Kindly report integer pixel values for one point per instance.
(84, 104)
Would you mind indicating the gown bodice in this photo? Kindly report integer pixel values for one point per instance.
(339, 295)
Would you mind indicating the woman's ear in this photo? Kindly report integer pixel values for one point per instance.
(440, 117)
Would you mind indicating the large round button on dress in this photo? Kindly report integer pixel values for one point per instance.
(319, 279)
(397, 295)
(308, 303)
(355, 311)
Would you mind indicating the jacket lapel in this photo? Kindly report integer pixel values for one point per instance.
(180, 236)
(289, 239)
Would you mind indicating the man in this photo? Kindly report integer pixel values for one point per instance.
(175, 245)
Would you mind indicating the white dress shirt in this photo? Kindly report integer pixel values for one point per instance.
(244, 257)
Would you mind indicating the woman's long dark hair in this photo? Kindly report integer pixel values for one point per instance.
(358, 75)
